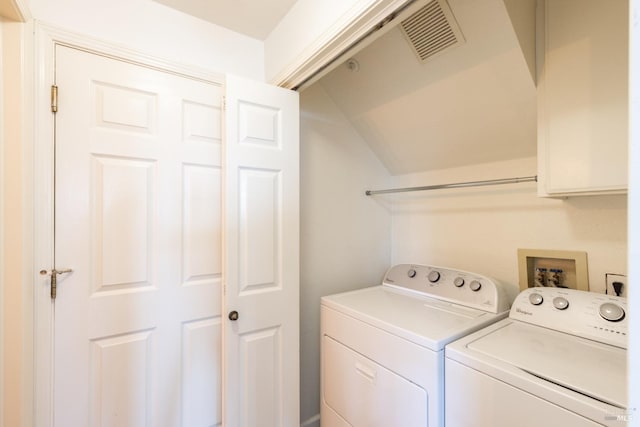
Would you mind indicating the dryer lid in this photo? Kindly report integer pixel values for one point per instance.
(426, 321)
(588, 367)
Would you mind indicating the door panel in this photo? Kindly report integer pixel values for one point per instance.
(260, 244)
(137, 324)
(261, 356)
(202, 251)
(123, 193)
(262, 268)
(120, 382)
(201, 359)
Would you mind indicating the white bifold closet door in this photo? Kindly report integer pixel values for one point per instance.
(138, 326)
(262, 266)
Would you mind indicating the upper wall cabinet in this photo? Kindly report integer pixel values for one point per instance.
(582, 97)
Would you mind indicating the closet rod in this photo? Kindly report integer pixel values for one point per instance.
(456, 185)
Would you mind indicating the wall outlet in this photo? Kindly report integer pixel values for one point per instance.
(616, 284)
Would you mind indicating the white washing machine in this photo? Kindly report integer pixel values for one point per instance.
(383, 346)
(560, 359)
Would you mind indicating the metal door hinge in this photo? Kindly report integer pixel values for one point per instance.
(224, 103)
(54, 98)
(54, 279)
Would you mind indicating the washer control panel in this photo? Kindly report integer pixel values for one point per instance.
(598, 317)
(456, 286)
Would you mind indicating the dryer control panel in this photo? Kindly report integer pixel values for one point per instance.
(456, 286)
(590, 315)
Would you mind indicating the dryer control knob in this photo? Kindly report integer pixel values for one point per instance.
(611, 312)
(411, 273)
(560, 303)
(475, 285)
(434, 276)
(535, 299)
(458, 281)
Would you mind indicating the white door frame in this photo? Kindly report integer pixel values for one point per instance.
(13, 126)
(346, 37)
(46, 39)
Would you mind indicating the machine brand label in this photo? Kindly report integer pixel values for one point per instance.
(528, 313)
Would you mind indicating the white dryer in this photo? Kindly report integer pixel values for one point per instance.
(558, 360)
(383, 346)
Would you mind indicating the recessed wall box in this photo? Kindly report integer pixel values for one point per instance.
(552, 268)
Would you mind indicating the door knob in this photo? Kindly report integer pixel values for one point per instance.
(233, 315)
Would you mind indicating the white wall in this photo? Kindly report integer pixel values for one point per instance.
(634, 209)
(157, 30)
(344, 234)
(479, 229)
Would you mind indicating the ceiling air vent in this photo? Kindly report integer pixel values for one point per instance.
(432, 30)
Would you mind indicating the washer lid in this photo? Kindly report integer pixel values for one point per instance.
(588, 367)
(423, 320)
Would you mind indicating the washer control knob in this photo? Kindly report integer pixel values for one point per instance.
(611, 312)
(411, 273)
(560, 303)
(458, 281)
(434, 276)
(475, 285)
(535, 299)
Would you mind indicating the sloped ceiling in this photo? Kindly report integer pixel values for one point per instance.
(473, 104)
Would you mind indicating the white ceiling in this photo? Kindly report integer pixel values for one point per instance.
(473, 104)
(254, 18)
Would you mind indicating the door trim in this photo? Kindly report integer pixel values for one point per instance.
(15, 40)
(47, 37)
(336, 42)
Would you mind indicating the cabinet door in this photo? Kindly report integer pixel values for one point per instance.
(583, 96)
(262, 263)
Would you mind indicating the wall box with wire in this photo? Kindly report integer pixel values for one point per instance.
(551, 268)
